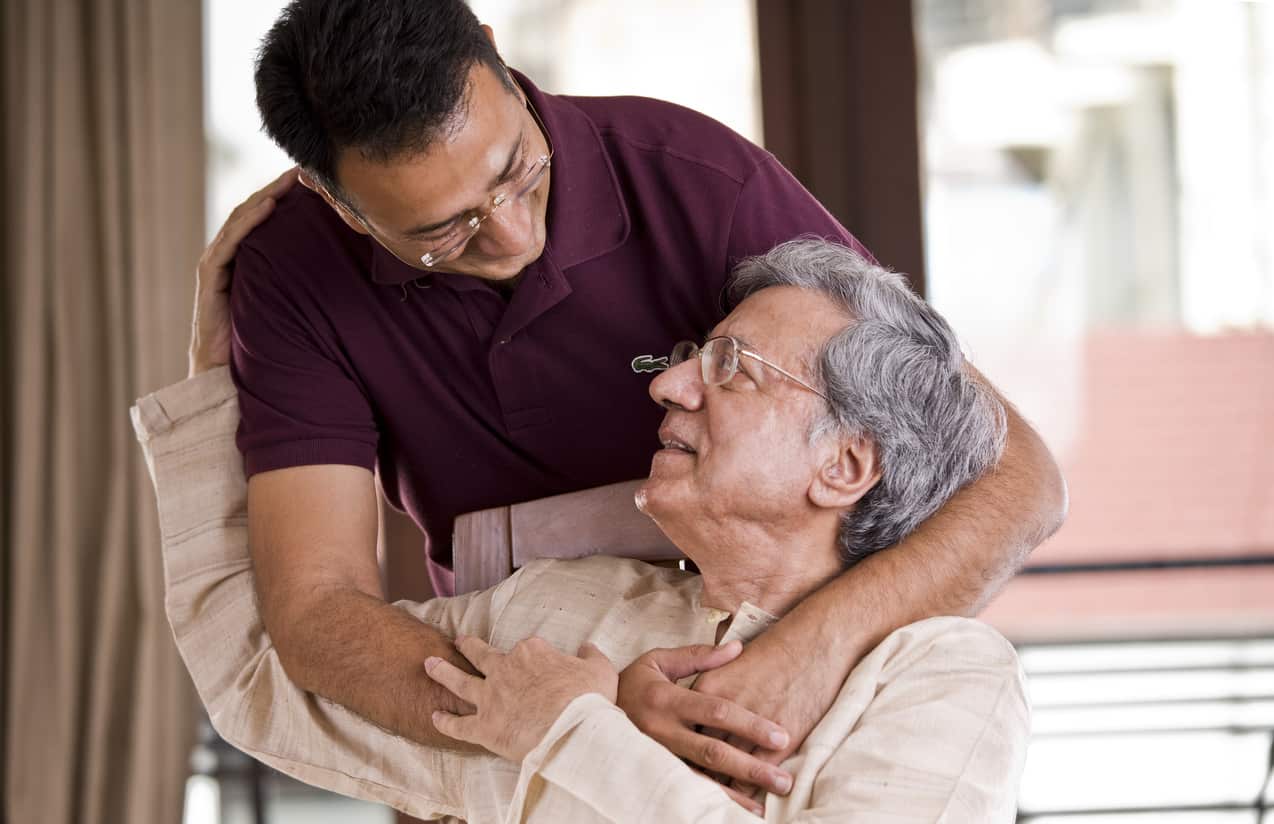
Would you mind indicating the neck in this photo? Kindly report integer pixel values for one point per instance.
(505, 288)
(772, 572)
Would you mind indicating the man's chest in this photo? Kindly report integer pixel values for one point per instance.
(480, 399)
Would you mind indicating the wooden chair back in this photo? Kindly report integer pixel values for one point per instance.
(489, 545)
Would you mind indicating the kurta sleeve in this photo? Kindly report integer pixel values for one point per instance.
(942, 735)
(930, 728)
(595, 754)
(187, 434)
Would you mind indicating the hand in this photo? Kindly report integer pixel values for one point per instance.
(523, 693)
(210, 327)
(770, 679)
(668, 713)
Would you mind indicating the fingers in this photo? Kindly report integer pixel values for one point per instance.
(459, 727)
(729, 717)
(478, 652)
(745, 800)
(717, 756)
(769, 756)
(745, 746)
(458, 682)
(241, 221)
(679, 662)
(282, 183)
(246, 217)
(589, 652)
(271, 190)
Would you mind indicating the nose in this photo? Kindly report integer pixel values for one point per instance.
(679, 387)
(509, 231)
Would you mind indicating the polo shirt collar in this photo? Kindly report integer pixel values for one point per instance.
(586, 216)
(586, 213)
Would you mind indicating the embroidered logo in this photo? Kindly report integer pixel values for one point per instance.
(649, 363)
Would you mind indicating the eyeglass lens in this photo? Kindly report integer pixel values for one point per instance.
(534, 176)
(718, 359)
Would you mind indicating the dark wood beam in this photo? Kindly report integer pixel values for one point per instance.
(839, 106)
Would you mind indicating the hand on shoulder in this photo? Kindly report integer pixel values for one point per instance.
(210, 326)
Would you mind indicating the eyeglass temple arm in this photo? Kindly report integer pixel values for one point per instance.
(783, 372)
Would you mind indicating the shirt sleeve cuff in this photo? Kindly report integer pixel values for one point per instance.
(594, 753)
(160, 411)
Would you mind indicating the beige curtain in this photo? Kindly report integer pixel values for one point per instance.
(102, 206)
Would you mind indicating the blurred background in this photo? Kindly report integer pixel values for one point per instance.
(1084, 187)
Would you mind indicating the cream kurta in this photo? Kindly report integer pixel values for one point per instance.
(930, 727)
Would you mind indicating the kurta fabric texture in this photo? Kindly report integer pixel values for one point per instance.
(931, 726)
(464, 400)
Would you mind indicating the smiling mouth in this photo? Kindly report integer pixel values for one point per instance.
(676, 445)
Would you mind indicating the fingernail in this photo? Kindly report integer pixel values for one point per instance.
(778, 738)
(430, 663)
(782, 783)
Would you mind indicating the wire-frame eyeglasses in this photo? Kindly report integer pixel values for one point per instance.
(530, 179)
(719, 361)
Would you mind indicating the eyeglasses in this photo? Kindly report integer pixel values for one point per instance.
(527, 183)
(719, 361)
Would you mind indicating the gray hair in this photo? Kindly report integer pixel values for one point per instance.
(895, 375)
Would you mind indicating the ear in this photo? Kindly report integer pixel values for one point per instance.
(351, 220)
(850, 468)
(490, 35)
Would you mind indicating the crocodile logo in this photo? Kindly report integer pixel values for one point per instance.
(649, 363)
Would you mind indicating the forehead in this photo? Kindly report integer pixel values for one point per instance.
(784, 321)
(453, 173)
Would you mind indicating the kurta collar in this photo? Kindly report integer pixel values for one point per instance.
(748, 621)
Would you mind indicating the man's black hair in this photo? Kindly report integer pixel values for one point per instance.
(379, 76)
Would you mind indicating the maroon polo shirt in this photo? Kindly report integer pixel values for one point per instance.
(464, 400)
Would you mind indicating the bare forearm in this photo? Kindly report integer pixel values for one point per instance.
(356, 650)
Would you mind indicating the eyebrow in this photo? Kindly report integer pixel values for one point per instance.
(496, 181)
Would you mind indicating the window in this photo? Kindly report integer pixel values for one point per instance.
(1099, 218)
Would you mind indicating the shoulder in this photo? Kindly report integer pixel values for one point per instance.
(947, 644)
(934, 722)
(299, 211)
(645, 127)
(302, 236)
(301, 263)
(954, 667)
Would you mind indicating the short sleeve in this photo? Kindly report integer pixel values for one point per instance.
(300, 402)
(773, 207)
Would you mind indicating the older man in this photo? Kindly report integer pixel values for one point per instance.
(827, 416)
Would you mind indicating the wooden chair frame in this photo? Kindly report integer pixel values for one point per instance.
(489, 545)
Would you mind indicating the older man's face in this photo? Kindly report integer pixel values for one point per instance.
(740, 452)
